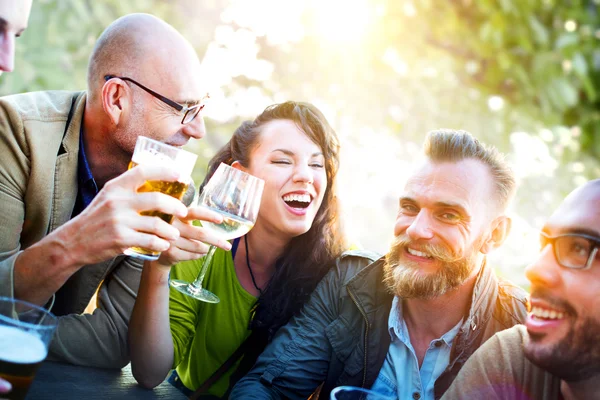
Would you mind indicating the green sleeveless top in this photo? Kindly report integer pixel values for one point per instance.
(204, 334)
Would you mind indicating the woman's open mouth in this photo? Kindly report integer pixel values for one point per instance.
(296, 200)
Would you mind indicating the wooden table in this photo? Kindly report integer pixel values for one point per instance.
(64, 381)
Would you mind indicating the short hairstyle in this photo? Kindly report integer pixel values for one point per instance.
(449, 145)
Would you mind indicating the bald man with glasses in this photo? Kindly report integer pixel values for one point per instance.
(556, 354)
(70, 207)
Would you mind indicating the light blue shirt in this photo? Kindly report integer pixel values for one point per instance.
(400, 376)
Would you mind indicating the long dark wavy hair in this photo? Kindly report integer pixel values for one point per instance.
(309, 256)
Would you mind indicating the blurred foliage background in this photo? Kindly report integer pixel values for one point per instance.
(523, 75)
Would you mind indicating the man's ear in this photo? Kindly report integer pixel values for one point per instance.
(500, 230)
(116, 97)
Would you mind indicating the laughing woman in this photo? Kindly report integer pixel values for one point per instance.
(269, 273)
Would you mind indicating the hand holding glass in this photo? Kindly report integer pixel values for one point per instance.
(236, 196)
(148, 151)
(25, 334)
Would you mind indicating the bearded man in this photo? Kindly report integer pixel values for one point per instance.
(403, 325)
(556, 354)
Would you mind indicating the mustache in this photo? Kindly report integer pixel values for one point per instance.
(542, 293)
(438, 252)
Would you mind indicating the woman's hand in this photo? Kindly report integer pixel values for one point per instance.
(193, 241)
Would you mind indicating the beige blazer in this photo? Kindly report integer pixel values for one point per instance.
(39, 146)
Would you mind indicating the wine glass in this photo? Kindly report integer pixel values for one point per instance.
(356, 393)
(235, 195)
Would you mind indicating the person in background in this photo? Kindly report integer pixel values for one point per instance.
(70, 209)
(405, 324)
(14, 15)
(555, 354)
(267, 276)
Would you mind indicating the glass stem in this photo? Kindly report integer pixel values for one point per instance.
(197, 284)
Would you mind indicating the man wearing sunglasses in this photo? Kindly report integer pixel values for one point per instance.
(556, 354)
(70, 207)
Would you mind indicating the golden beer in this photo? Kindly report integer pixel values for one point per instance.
(174, 189)
(21, 353)
(151, 152)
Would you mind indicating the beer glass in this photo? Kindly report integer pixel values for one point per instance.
(25, 334)
(236, 196)
(148, 151)
(356, 393)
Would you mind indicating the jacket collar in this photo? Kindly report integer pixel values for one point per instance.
(65, 189)
(370, 292)
(483, 301)
(368, 288)
(73, 128)
(485, 290)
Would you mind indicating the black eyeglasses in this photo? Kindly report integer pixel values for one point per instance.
(572, 250)
(189, 113)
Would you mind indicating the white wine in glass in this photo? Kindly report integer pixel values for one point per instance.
(235, 195)
(232, 226)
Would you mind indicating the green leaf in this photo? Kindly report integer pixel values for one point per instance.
(522, 77)
(540, 33)
(504, 60)
(596, 141)
(507, 6)
(485, 32)
(580, 65)
(589, 89)
(566, 40)
(542, 66)
(562, 94)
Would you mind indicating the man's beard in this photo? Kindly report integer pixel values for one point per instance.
(576, 356)
(404, 279)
